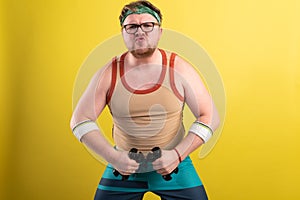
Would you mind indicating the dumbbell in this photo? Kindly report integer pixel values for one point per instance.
(134, 155)
(155, 154)
(116, 173)
(168, 176)
(139, 158)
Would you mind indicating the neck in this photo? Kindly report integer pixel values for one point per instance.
(155, 57)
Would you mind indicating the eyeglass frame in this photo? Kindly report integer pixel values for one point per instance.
(141, 26)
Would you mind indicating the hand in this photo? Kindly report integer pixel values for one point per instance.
(123, 164)
(166, 163)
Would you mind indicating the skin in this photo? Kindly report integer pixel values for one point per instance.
(141, 45)
(141, 60)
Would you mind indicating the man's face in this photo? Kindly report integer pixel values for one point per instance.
(141, 44)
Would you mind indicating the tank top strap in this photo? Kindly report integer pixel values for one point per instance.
(114, 77)
(167, 78)
(165, 67)
(171, 73)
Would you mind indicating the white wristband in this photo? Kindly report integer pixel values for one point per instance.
(83, 128)
(202, 130)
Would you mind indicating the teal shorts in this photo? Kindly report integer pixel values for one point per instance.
(186, 177)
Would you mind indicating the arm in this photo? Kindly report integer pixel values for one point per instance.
(89, 107)
(201, 104)
(199, 101)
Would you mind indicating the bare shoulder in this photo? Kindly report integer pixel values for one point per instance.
(103, 76)
(105, 70)
(183, 67)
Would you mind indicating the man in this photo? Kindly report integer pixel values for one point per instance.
(146, 89)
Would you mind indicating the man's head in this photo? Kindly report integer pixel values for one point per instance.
(140, 21)
(139, 7)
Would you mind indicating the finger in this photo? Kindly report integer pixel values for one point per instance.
(160, 171)
(134, 164)
(127, 169)
(126, 173)
(167, 170)
(163, 172)
(157, 164)
(166, 173)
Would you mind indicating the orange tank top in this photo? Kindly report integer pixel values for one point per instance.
(144, 119)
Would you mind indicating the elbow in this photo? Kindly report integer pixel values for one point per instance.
(215, 120)
(217, 123)
(72, 122)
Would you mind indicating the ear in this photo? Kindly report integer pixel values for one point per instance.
(122, 32)
(160, 32)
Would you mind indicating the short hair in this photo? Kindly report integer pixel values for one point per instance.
(134, 5)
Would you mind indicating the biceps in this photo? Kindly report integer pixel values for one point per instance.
(91, 102)
(197, 97)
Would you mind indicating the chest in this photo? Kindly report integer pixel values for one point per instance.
(143, 77)
(159, 103)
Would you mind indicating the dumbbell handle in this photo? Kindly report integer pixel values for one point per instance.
(151, 157)
(168, 177)
(131, 156)
(156, 153)
(116, 173)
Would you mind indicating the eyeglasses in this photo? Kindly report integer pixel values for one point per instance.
(146, 27)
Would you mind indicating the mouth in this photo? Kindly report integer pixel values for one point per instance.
(140, 39)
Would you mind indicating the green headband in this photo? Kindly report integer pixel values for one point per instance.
(141, 10)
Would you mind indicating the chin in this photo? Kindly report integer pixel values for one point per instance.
(142, 53)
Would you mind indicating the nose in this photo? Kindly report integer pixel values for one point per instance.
(139, 30)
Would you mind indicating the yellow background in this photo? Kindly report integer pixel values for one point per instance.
(254, 44)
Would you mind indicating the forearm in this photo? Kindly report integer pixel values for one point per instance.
(189, 144)
(193, 141)
(87, 131)
(96, 142)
